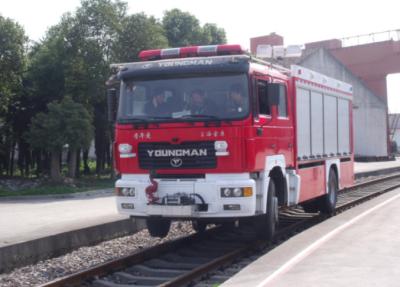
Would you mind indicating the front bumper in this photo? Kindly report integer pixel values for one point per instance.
(208, 188)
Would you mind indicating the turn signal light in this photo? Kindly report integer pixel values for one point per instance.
(247, 191)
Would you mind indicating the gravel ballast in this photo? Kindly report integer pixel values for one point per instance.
(86, 257)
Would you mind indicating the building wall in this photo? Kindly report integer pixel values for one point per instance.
(372, 62)
(369, 112)
(271, 39)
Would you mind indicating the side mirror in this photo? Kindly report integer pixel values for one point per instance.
(273, 91)
(112, 103)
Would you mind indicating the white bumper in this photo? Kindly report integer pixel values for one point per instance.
(208, 188)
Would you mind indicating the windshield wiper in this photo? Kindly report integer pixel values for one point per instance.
(200, 116)
(130, 120)
(160, 118)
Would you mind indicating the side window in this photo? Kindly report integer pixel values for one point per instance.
(262, 94)
(282, 108)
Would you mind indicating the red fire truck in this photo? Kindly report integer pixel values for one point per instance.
(211, 134)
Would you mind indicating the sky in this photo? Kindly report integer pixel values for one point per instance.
(298, 21)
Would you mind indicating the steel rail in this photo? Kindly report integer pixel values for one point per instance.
(103, 269)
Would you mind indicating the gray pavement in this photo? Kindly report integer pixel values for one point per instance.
(27, 219)
(362, 167)
(359, 247)
(33, 229)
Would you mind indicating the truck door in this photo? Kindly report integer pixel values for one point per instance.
(282, 120)
(265, 142)
(273, 124)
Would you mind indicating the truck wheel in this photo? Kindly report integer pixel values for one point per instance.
(199, 226)
(268, 223)
(327, 203)
(158, 227)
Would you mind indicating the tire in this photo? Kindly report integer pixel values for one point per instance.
(158, 227)
(267, 223)
(327, 203)
(199, 226)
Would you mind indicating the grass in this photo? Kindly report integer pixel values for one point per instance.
(48, 188)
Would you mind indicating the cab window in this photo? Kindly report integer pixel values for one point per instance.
(282, 107)
(262, 95)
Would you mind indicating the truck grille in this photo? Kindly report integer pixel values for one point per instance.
(163, 155)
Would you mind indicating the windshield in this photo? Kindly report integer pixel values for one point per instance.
(199, 98)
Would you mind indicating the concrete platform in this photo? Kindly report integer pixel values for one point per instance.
(360, 247)
(27, 219)
(37, 228)
(363, 169)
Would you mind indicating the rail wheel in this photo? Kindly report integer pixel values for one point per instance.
(268, 223)
(199, 225)
(327, 203)
(158, 227)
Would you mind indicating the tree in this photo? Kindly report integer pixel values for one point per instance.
(138, 32)
(181, 28)
(65, 123)
(12, 60)
(99, 23)
(78, 131)
(12, 65)
(212, 35)
(73, 60)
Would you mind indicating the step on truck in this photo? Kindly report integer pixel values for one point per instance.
(211, 134)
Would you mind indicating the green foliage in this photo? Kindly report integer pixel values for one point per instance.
(183, 29)
(49, 188)
(66, 122)
(213, 35)
(139, 32)
(12, 61)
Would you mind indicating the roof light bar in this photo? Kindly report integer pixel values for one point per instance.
(207, 50)
(170, 53)
(150, 55)
(191, 51)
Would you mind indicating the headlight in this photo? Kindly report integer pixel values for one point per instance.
(221, 145)
(226, 192)
(124, 148)
(126, 191)
(236, 191)
(125, 151)
(221, 148)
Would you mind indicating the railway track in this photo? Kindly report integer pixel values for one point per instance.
(214, 256)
